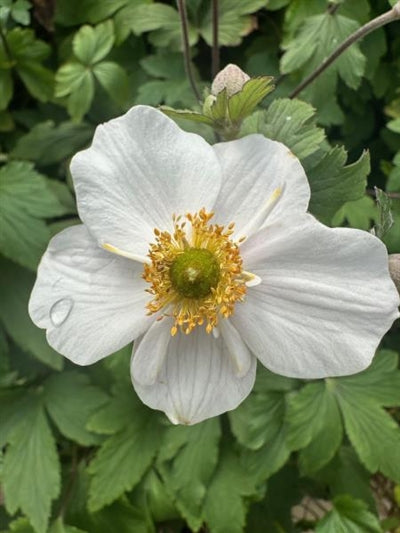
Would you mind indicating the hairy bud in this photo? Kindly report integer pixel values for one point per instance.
(231, 78)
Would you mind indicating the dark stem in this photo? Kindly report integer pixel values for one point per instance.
(215, 44)
(186, 47)
(332, 8)
(372, 25)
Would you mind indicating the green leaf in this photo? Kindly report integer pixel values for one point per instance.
(346, 475)
(6, 88)
(31, 467)
(70, 400)
(58, 526)
(224, 507)
(373, 433)
(186, 114)
(91, 45)
(76, 12)
(26, 200)
(116, 467)
(234, 21)
(333, 184)
(244, 102)
(187, 460)
(119, 517)
(350, 516)
(385, 220)
(114, 80)
(16, 284)
(358, 214)
(47, 143)
(28, 53)
(318, 37)
(161, 20)
(314, 424)
(258, 419)
(75, 81)
(291, 122)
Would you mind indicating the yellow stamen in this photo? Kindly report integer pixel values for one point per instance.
(226, 289)
(124, 253)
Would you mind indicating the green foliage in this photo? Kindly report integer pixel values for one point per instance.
(116, 468)
(31, 468)
(79, 452)
(349, 515)
(27, 200)
(187, 460)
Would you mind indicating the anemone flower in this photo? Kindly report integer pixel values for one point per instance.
(206, 258)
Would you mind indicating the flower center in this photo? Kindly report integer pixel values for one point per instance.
(195, 273)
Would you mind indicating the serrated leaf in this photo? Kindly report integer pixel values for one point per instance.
(70, 400)
(358, 214)
(373, 433)
(314, 424)
(26, 200)
(16, 284)
(116, 467)
(346, 475)
(75, 81)
(333, 184)
(291, 122)
(28, 53)
(186, 114)
(350, 516)
(91, 45)
(258, 419)
(113, 78)
(385, 216)
(234, 21)
(318, 37)
(243, 103)
(31, 467)
(381, 379)
(187, 460)
(47, 143)
(224, 506)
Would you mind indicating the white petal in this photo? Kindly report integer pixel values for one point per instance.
(325, 300)
(254, 169)
(197, 378)
(91, 302)
(140, 169)
(237, 349)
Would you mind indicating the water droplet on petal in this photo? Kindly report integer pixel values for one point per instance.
(60, 311)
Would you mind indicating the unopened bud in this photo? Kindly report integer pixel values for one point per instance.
(394, 269)
(231, 78)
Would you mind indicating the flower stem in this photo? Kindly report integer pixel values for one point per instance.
(390, 16)
(186, 47)
(215, 44)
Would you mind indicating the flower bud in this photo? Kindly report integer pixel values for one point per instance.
(231, 78)
(394, 269)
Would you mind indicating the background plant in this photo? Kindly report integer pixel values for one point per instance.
(80, 453)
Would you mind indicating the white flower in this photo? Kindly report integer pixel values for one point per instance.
(150, 263)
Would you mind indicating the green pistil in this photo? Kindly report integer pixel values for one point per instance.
(194, 273)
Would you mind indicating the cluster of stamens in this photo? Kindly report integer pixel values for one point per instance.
(196, 273)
